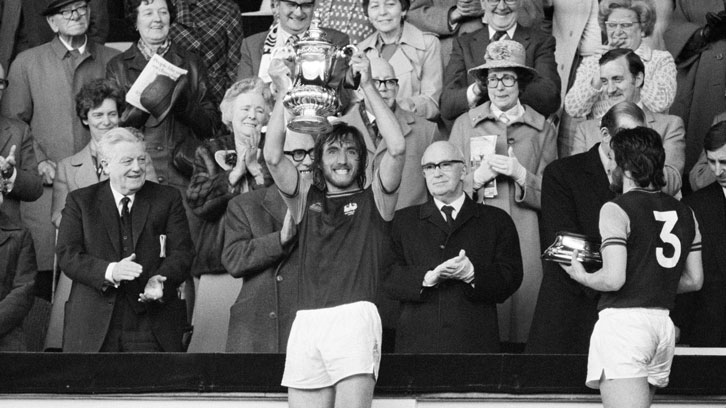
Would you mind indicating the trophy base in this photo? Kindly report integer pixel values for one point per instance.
(310, 124)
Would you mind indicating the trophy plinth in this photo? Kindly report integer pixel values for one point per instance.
(588, 250)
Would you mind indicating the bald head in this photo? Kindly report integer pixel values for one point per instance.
(443, 167)
(381, 70)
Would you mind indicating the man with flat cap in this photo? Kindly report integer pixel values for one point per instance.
(43, 81)
(126, 246)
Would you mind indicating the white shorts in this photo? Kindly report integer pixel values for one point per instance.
(328, 345)
(631, 343)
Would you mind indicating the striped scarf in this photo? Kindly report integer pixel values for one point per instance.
(271, 39)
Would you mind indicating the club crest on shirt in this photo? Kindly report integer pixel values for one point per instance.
(350, 208)
(317, 207)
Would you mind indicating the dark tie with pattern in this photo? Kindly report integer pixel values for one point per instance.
(448, 210)
(132, 288)
(498, 35)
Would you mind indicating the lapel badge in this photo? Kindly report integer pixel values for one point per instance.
(350, 208)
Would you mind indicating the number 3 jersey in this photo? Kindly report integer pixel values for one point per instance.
(658, 232)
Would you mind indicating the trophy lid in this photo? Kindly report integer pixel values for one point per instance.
(314, 34)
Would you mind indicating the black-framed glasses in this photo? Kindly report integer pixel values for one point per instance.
(389, 83)
(80, 12)
(624, 25)
(4, 84)
(445, 166)
(306, 7)
(299, 154)
(506, 80)
(495, 2)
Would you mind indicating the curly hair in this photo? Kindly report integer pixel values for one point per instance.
(341, 133)
(640, 150)
(247, 85)
(644, 9)
(94, 93)
(131, 10)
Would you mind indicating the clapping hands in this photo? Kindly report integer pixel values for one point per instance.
(458, 267)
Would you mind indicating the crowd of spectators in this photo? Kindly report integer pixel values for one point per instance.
(164, 226)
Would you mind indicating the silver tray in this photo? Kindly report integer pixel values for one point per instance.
(566, 243)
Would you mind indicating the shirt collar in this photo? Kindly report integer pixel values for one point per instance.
(514, 114)
(117, 199)
(81, 49)
(510, 32)
(456, 204)
(644, 52)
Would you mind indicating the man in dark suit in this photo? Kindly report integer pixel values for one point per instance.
(701, 315)
(461, 91)
(573, 190)
(125, 243)
(454, 260)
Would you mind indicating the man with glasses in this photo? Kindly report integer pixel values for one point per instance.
(453, 261)
(461, 91)
(43, 81)
(260, 246)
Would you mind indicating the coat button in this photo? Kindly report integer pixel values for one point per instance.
(273, 315)
(279, 278)
(719, 56)
(161, 179)
(442, 246)
(159, 148)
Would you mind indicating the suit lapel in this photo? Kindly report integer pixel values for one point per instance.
(110, 215)
(430, 212)
(139, 213)
(521, 35)
(468, 210)
(479, 45)
(5, 137)
(84, 170)
(273, 204)
(596, 172)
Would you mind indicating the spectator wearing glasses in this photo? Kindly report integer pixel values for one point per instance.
(43, 82)
(260, 246)
(626, 23)
(414, 55)
(224, 167)
(509, 174)
(454, 260)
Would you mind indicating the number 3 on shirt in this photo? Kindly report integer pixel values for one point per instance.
(666, 235)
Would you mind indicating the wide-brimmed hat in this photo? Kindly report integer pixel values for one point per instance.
(54, 6)
(503, 54)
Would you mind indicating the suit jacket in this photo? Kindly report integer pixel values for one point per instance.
(261, 318)
(17, 281)
(41, 95)
(418, 134)
(701, 85)
(88, 240)
(249, 62)
(669, 127)
(704, 323)
(76, 172)
(28, 184)
(543, 94)
(453, 316)
(573, 190)
(701, 175)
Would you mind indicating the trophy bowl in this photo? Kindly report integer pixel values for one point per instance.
(566, 243)
(311, 105)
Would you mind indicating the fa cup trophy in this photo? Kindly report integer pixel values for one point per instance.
(311, 99)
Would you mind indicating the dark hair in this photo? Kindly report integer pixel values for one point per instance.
(635, 64)
(614, 115)
(715, 137)
(131, 10)
(93, 93)
(524, 76)
(640, 150)
(341, 132)
(405, 4)
(644, 9)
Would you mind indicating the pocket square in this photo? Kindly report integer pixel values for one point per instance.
(162, 245)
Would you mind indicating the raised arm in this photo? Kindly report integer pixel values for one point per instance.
(282, 170)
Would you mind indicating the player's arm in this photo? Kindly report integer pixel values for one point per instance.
(282, 170)
(692, 276)
(391, 166)
(614, 228)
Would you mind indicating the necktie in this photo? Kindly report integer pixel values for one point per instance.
(292, 40)
(504, 118)
(126, 224)
(498, 35)
(75, 53)
(448, 210)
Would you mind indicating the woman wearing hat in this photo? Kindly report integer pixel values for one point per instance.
(509, 145)
(414, 55)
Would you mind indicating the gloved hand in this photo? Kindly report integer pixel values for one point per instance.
(509, 166)
(466, 268)
(715, 28)
(483, 174)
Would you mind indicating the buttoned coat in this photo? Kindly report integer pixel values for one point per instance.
(669, 127)
(89, 240)
(701, 92)
(705, 325)
(453, 316)
(41, 94)
(573, 190)
(534, 143)
(28, 185)
(17, 281)
(418, 67)
(261, 317)
(542, 94)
